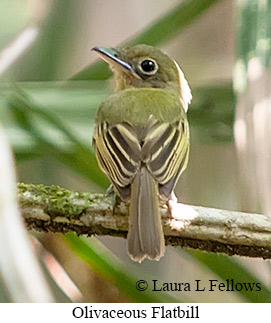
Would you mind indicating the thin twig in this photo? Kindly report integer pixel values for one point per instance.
(58, 210)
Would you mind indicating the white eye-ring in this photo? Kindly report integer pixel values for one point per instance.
(148, 66)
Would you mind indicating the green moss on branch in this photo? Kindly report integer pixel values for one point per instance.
(51, 208)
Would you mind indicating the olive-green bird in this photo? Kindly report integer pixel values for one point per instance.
(141, 139)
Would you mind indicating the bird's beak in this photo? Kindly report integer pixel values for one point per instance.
(112, 57)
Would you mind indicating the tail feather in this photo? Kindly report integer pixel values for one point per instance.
(145, 237)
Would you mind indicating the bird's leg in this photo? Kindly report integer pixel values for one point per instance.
(110, 190)
(115, 197)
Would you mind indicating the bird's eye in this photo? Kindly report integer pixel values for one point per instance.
(148, 66)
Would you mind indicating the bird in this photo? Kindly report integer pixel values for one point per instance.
(141, 139)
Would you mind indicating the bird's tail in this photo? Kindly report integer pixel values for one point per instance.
(145, 237)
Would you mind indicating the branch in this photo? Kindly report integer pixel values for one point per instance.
(54, 209)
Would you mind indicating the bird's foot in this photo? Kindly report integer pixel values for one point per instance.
(114, 197)
(181, 214)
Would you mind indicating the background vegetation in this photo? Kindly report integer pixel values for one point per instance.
(49, 97)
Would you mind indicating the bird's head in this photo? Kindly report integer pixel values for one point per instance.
(145, 66)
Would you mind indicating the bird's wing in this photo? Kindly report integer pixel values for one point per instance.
(163, 147)
(165, 152)
(118, 152)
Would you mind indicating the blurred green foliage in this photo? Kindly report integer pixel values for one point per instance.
(56, 118)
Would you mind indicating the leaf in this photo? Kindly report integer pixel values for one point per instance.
(104, 263)
(77, 102)
(227, 267)
(157, 33)
(78, 157)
